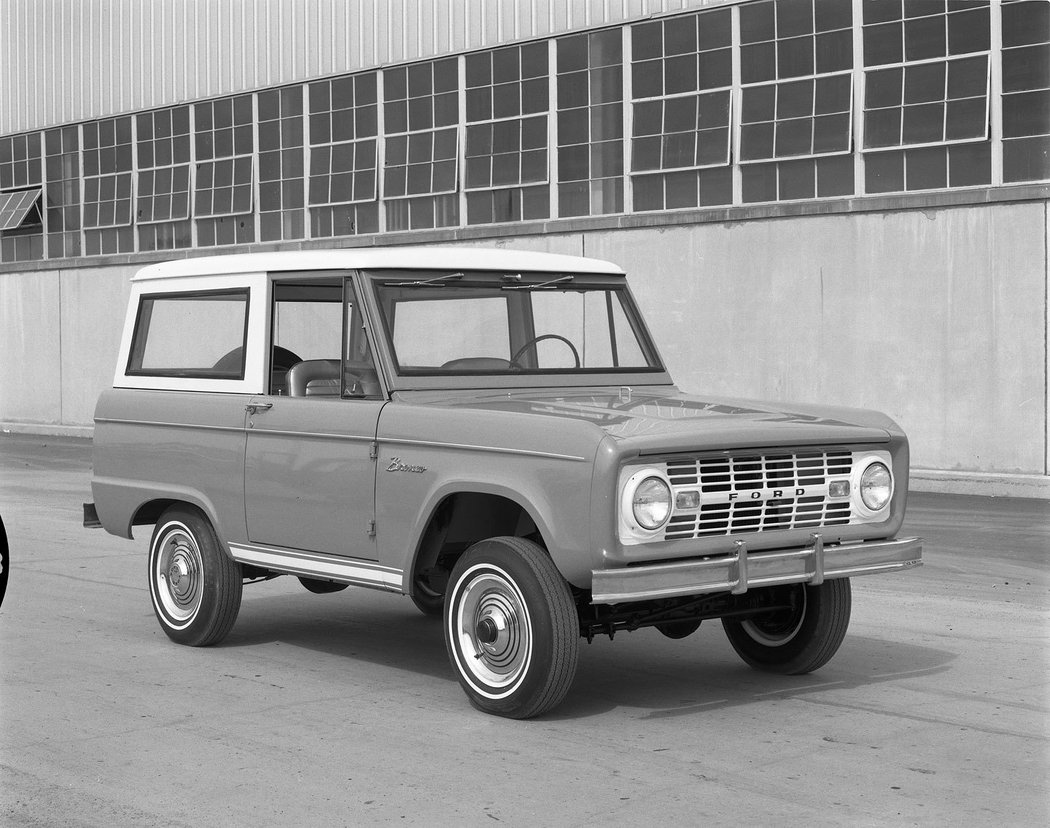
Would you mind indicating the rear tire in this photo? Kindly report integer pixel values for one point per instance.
(511, 628)
(796, 640)
(195, 586)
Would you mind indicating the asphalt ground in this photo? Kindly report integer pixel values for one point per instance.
(342, 709)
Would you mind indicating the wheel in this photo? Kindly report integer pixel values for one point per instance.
(195, 586)
(537, 339)
(798, 639)
(679, 629)
(511, 628)
(319, 587)
(5, 561)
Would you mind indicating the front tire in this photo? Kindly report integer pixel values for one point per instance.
(511, 628)
(195, 586)
(799, 639)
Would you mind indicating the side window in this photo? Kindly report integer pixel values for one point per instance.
(307, 326)
(191, 335)
(308, 347)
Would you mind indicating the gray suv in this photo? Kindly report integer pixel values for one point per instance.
(493, 434)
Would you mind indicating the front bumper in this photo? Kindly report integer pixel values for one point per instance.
(740, 570)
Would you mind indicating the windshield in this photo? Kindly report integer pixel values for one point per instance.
(449, 322)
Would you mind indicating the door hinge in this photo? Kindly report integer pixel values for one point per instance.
(373, 451)
(371, 528)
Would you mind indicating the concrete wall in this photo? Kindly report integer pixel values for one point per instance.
(936, 316)
(62, 330)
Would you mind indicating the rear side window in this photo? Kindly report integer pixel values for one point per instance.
(191, 335)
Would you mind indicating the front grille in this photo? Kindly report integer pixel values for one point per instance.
(759, 493)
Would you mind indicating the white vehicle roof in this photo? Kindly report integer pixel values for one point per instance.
(399, 258)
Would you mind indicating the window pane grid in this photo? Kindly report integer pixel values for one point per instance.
(507, 101)
(107, 201)
(344, 142)
(62, 174)
(163, 143)
(225, 147)
(796, 71)
(1026, 91)
(173, 235)
(590, 124)
(17, 208)
(281, 168)
(927, 103)
(675, 129)
(108, 162)
(781, 39)
(421, 111)
(20, 161)
(915, 31)
(681, 73)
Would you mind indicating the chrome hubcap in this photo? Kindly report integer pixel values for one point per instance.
(492, 630)
(179, 574)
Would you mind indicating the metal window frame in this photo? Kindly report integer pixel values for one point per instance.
(99, 177)
(23, 202)
(776, 122)
(140, 168)
(554, 111)
(85, 201)
(310, 146)
(409, 132)
(733, 88)
(251, 155)
(944, 142)
(520, 118)
(696, 131)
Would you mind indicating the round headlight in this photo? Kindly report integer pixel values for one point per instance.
(651, 503)
(876, 486)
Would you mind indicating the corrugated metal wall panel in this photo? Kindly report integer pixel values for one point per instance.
(71, 60)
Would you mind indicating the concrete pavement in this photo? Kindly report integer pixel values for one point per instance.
(342, 710)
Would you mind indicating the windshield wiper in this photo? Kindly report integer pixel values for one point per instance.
(548, 285)
(437, 281)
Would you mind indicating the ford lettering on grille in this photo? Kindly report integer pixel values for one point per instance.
(750, 493)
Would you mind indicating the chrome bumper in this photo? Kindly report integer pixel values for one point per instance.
(742, 570)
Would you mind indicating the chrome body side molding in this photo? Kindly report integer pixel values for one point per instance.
(317, 565)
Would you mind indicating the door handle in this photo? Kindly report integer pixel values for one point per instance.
(256, 407)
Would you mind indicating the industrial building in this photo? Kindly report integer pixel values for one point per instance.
(839, 201)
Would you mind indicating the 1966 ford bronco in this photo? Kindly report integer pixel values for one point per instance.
(493, 434)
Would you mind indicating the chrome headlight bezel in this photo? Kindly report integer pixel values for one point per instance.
(639, 526)
(865, 467)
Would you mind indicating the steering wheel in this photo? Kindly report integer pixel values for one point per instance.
(537, 339)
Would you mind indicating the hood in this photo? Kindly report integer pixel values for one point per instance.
(666, 419)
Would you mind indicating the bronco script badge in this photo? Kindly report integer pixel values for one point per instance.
(397, 466)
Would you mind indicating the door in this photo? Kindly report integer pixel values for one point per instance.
(309, 477)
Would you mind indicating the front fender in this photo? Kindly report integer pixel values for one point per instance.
(555, 495)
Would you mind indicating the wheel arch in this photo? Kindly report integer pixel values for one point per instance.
(149, 511)
(451, 525)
